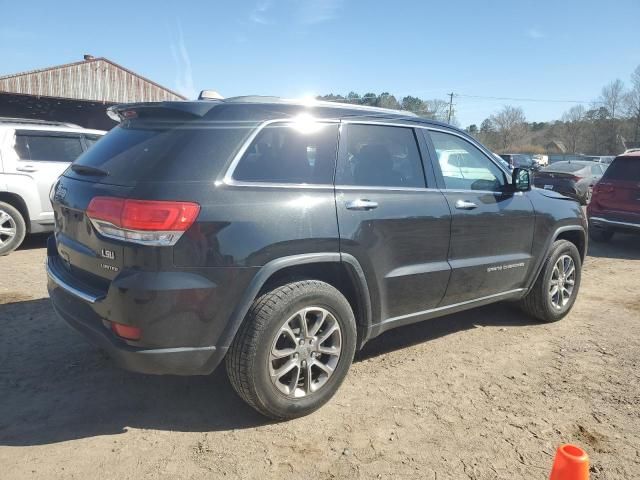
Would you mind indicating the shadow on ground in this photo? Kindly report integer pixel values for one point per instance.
(622, 246)
(57, 387)
(37, 240)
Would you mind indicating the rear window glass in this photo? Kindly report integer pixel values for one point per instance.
(624, 169)
(44, 148)
(564, 167)
(291, 153)
(151, 152)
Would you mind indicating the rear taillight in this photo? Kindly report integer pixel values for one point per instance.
(575, 178)
(147, 222)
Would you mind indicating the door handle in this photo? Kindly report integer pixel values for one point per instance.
(361, 204)
(26, 168)
(465, 205)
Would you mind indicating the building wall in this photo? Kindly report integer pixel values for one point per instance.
(94, 80)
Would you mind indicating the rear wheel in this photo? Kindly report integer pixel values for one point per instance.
(293, 350)
(12, 228)
(556, 288)
(600, 234)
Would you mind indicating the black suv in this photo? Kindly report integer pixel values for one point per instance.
(282, 236)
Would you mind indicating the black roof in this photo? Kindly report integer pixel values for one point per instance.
(258, 108)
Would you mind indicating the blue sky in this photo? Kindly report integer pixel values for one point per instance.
(555, 50)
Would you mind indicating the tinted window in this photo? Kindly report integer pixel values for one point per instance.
(152, 151)
(91, 140)
(291, 153)
(464, 166)
(380, 156)
(624, 169)
(38, 147)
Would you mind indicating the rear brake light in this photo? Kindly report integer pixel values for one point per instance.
(148, 222)
(126, 331)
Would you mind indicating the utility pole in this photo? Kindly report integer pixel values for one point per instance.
(450, 107)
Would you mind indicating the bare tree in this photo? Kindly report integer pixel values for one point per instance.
(632, 102)
(573, 126)
(510, 123)
(611, 96)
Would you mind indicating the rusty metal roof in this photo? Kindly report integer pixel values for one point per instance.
(95, 78)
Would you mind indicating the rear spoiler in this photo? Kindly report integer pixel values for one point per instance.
(178, 110)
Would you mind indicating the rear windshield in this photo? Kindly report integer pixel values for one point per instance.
(624, 168)
(159, 152)
(564, 167)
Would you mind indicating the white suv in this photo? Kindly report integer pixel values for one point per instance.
(33, 154)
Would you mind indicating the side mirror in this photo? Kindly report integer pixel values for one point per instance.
(521, 179)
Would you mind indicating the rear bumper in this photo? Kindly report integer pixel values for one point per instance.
(182, 317)
(170, 361)
(600, 222)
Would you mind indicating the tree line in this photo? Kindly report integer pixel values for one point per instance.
(434, 108)
(608, 125)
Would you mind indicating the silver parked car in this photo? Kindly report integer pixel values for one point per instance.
(33, 154)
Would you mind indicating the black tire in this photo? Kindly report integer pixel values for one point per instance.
(248, 359)
(537, 302)
(11, 217)
(600, 234)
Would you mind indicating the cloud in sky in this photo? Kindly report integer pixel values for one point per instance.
(184, 73)
(260, 12)
(535, 33)
(300, 12)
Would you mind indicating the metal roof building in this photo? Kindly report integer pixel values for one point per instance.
(77, 92)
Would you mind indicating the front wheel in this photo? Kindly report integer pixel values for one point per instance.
(12, 228)
(293, 350)
(556, 288)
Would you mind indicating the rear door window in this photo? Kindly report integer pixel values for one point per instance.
(40, 147)
(291, 153)
(380, 156)
(624, 168)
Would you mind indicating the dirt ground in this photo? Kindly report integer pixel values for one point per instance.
(481, 395)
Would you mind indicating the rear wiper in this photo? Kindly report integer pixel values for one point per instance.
(88, 170)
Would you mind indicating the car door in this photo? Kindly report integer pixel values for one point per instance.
(392, 219)
(491, 226)
(44, 156)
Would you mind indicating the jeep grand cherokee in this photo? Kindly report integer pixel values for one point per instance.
(280, 237)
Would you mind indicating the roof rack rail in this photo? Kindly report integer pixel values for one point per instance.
(313, 102)
(35, 121)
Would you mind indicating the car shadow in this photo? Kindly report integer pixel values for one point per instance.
(56, 387)
(36, 240)
(503, 314)
(622, 246)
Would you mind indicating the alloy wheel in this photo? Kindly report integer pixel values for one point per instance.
(305, 352)
(562, 282)
(7, 228)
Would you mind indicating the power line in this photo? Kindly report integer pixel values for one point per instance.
(513, 99)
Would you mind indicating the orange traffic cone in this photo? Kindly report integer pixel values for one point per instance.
(571, 463)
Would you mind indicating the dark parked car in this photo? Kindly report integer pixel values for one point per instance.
(519, 160)
(615, 205)
(574, 179)
(282, 237)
